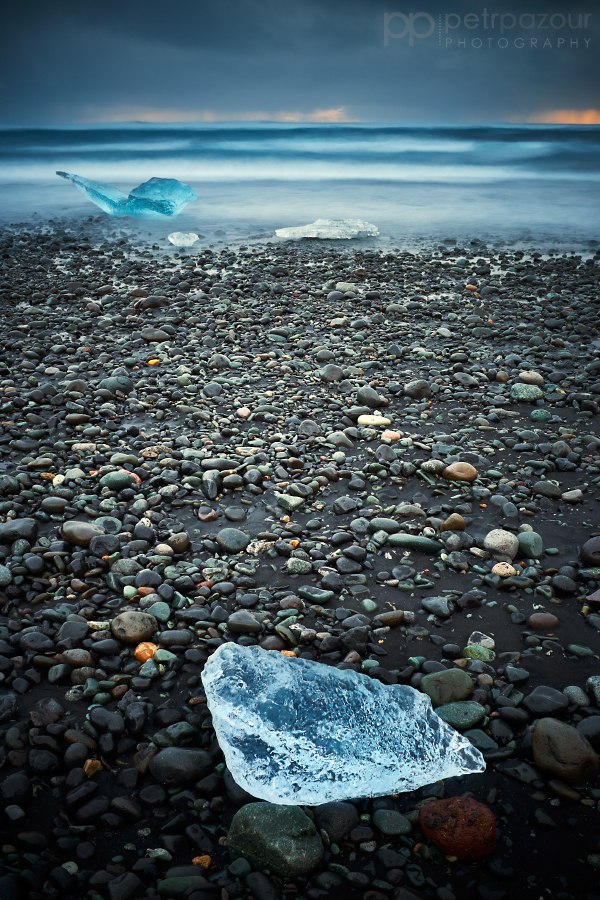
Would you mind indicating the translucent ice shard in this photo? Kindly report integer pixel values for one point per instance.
(157, 198)
(298, 732)
(183, 238)
(330, 229)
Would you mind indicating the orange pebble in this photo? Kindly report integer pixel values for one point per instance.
(145, 651)
(91, 766)
(288, 653)
(203, 861)
(154, 362)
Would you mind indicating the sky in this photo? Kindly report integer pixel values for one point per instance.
(69, 62)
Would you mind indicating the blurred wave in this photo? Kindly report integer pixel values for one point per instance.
(280, 174)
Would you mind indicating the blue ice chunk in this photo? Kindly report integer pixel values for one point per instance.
(157, 198)
(299, 732)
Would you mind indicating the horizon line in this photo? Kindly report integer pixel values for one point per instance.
(536, 121)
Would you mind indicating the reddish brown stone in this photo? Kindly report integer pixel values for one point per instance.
(208, 516)
(460, 471)
(119, 690)
(460, 826)
(393, 617)
(543, 621)
(291, 603)
(454, 522)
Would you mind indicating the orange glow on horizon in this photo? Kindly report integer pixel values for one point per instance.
(567, 117)
(172, 116)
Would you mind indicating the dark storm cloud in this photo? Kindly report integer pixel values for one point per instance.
(73, 61)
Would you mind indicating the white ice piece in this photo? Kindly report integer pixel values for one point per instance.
(183, 238)
(299, 732)
(336, 229)
(158, 198)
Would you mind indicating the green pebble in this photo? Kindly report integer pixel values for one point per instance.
(414, 542)
(110, 525)
(368, 605)
(416, 662)
(160, 610)
(462, 714)
(369, 664)
(579, 651)
(58, 672)
(298, 566)
(289, 503)
(477, 651)
(531, 545)
(492, 581)
(540, 415)
(315, 594)
(527, 393)
(102, 699)
(447, 686)
(391, 823)
(116, 481)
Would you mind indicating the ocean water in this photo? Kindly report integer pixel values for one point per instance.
(501, 183)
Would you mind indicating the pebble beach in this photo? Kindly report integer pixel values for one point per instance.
(380, 459)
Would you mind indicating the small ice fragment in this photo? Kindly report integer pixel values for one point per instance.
(330, 229)
(183, 238)
(157, 198)
(299, 732)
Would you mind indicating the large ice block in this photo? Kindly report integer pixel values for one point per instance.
(299, 732)
(157, 198)
(335, 229)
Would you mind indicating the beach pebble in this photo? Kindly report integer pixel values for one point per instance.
(280, 838)
(232, 540)
(531, 377)
(563, 751)
(526, 393)
(80, 533)
(501, 544)
(460, 826)
(132, 627)
(198, 448)
(543, 621)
